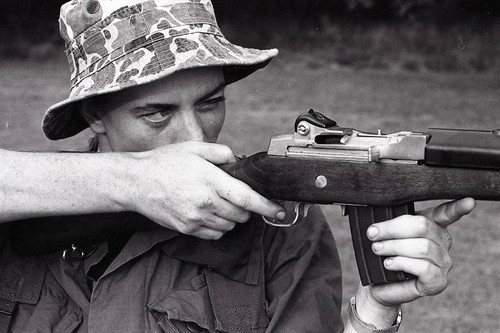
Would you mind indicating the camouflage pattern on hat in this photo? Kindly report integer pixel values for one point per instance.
(115, 44)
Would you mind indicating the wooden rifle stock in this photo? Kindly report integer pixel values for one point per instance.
(370, 184)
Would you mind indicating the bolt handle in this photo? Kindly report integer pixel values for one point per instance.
(316, 119)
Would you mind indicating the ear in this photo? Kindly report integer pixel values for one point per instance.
(92, 116)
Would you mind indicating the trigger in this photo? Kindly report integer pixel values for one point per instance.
(301, 210)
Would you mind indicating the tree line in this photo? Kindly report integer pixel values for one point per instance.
(37, 20)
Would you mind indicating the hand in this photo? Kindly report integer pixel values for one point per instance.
(180, 187)
(418, 245)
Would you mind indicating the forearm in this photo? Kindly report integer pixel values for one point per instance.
(39, 184)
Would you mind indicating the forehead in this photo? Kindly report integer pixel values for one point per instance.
(181, 86)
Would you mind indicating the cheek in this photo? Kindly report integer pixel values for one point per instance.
(133, 143)
(127, 134)
(212, 125)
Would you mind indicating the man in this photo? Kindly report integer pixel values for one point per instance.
(152, 74)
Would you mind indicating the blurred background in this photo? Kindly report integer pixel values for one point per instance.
(387, 64)
(436, 35)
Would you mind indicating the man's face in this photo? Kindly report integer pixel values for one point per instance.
(188, 105)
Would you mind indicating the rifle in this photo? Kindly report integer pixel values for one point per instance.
(374, 176)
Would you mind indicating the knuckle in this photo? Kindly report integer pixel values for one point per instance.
(242, 200)
(223, 225)
(447, 262)
(441, 285)
(428, 268)
(426, 248)
(195, 216)
(425, 290)
(422, 224)
(188, 229)
(204, 202)
(436, 284)
(432, 278)
(245, 216)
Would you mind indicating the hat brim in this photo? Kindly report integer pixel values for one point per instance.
(64, 119)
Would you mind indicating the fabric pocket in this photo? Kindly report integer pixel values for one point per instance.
(186, 309)
(55, 312)
(177, 326)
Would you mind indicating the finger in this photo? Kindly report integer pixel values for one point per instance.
(416, 248)
(397, 292)
(197, 225)
(218, 224)
(204, 220)
(431, 279)
(243, 196)
(213, 152)
(208, 233)
(450, 212)
(228, 211)
(405, 226)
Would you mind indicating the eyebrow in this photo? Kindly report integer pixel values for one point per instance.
(162, 106)
(212, 92)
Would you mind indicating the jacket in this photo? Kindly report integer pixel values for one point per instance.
(257, 278)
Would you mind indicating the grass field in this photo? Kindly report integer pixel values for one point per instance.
(268, 103)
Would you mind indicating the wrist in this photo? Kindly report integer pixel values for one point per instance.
(125, 171)
(355, 323)
(373, 312)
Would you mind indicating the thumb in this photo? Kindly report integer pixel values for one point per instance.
(450, 212)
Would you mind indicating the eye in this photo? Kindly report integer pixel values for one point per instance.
(157, 117)
(210, 104)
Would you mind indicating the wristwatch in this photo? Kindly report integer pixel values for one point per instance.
(362, 327)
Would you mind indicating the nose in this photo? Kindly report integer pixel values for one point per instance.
(192, 128)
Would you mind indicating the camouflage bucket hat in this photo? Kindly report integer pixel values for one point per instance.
(115, 44)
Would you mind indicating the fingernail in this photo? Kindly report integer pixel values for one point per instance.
(377, 246)
(388, 262)
(372, 232)
(280, 216)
